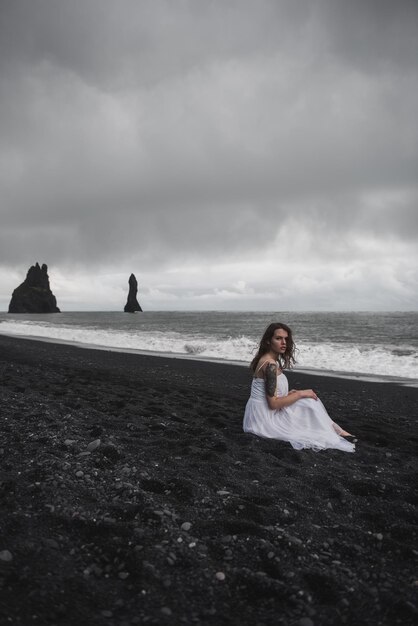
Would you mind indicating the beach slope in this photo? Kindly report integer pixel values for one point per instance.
(130, 495)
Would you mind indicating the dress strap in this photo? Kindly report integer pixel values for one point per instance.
(263, 364)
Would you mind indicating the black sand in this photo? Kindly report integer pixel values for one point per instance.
(172, 515)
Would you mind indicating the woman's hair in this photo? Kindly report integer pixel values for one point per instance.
(286, 360)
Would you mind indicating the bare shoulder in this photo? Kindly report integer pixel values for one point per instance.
(263, 366)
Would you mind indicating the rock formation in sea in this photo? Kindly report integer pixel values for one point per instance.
(132, 304)
(34, 295)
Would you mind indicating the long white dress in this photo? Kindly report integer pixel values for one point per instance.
(304, 424)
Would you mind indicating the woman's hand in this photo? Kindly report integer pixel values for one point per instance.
(280, 402)
(308, 393)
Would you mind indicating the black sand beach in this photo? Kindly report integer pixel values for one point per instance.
(130, 495)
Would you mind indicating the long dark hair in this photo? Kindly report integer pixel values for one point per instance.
(286, 360)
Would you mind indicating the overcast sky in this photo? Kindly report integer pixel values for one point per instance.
(232, 154)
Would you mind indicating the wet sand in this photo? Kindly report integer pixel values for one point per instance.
(130, 495)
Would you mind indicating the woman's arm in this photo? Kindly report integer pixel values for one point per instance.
(275, 402)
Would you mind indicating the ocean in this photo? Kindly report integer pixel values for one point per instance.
(368, 346)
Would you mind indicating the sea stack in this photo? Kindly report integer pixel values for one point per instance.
(132, 304)
(34, 295)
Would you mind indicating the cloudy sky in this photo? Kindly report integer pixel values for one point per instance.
(232, 154)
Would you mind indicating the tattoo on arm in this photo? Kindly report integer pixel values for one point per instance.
(270, 374)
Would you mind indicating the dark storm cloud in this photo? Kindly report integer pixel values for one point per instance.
(187, 130)
(372, 35)
(134, 40)
(139, 42)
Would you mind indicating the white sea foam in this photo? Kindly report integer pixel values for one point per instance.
(369, 360)
(237, 349)
(395, 361)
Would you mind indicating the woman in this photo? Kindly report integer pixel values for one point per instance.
(296, 416)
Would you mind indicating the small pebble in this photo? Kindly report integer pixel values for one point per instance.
(186, 526)
(295, 540)
(305, 621)
(166, 610)
(6, 556)
(220, 575)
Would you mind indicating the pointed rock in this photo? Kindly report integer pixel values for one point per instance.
(34, 295)
(132, 304)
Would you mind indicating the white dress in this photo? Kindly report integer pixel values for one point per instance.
(304, 424)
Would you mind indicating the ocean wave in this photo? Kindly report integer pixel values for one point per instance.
(394, 361)
(194, 348)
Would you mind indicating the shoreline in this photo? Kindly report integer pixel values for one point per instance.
(130, 495)
(359, 376)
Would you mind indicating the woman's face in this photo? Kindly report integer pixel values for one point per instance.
(279, 341)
